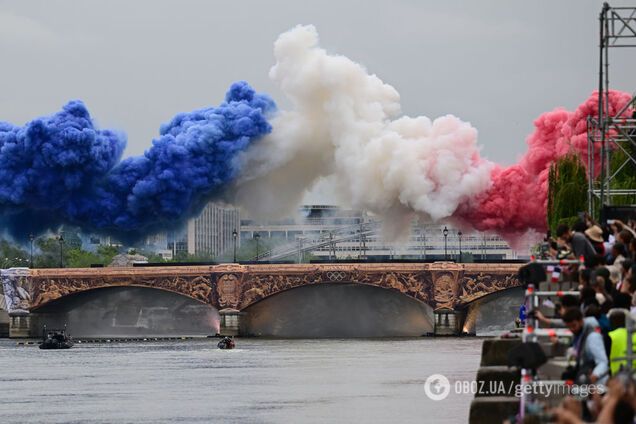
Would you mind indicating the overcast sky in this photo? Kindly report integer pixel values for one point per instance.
(497, 64)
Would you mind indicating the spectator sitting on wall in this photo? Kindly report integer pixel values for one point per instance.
(595, 235)
(581, 246)
(567, 301)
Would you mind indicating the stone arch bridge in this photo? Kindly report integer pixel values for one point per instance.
(231, 288)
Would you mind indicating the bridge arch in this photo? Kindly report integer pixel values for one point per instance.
(255, 295)
(493, 312)
(344, 309)
(46, 290)
(486, 296)
(130, 310)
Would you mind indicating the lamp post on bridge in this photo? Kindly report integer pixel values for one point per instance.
(459, 236)
(445, 232)
(257, 237)
(422, 243)
(31, 238)
(61, 240)
(301, 255)
(234, 235)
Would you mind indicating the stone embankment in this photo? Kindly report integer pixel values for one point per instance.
(500, 387)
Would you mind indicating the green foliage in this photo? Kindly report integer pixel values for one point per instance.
(12, 256)
(107, 253)
(567, 191)
(626, 176)
(78, 258)
(48, 255)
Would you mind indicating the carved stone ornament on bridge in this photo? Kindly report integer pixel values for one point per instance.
(476, 285)
(445, 284)
(440, 285)
(228, 290)
(336, 275)
(46, 289)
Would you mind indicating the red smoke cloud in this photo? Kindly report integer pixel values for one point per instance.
(517, 199)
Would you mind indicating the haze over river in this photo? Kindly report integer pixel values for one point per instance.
(261, 381)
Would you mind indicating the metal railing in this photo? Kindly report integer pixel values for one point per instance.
(531, 330)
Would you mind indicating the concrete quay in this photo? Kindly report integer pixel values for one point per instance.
(497, 406)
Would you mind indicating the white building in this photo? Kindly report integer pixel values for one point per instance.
(329, 232)
(209, 234)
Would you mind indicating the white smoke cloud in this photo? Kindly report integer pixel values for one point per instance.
(345, 126)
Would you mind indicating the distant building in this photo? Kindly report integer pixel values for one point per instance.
(312, 221)
(332, 232)
(209, 234)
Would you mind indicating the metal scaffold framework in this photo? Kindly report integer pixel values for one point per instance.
(611, 133)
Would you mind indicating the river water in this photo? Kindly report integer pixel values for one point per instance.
(261, 381)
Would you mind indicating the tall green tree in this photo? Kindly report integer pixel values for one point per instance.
(78, 258)
(625, 171)
(567, 190)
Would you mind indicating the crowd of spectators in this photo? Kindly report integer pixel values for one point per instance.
(597, 316)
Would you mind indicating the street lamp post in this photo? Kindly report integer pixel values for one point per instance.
(31, 238)
(257, 237)
(445, 232)
(234, 235)
(61, 240)
(332, 246)
(459, 235)
(301, 256)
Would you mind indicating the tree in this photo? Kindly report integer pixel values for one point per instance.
(625, 173)
(78, 258)
(12, 256)
(106, 253)
(49, 253)
(567, 191)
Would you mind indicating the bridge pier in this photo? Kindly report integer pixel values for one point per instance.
(22, 326)
(449, 322)
(230, 322)
(4, 323)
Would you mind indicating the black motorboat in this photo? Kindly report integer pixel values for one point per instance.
(226, 343)
(56, 339)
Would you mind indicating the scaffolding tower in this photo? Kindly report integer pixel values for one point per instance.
(611, 133)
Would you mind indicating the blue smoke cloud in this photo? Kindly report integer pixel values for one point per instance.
(61, 169)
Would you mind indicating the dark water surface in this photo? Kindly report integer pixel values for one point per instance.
(262, 381)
